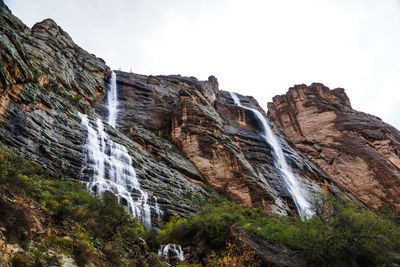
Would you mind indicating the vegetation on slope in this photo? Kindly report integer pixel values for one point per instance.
(341, 234)
(49, 218)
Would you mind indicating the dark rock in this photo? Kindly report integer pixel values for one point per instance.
(4, 6)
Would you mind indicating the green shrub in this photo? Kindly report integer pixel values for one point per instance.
(211, 225)
(82, 252)
(154, 260)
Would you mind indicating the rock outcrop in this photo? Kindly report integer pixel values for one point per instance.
(357, 150)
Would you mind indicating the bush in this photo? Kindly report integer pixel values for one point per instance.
(347, 235)
(211, 225)
(234, 255)
(82, 252)
(20, 260)
(17, 221)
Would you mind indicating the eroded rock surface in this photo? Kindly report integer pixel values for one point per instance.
(357, 150)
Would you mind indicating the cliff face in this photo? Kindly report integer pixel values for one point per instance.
(196, 129)
(357, 150)
(45, 80)
(188, 141)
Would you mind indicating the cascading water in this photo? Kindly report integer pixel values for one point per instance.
(108, 166)
(299, 194)
(164, 251)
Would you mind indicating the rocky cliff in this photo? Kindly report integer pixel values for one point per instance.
(46, 79)
(188, 140)
(180, 119)
(357, 150)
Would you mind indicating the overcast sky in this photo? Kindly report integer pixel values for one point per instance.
(258, 48)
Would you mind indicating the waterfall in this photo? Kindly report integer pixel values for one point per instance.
(108, 166)
(299, 194)
(164, 251)
(112, 101)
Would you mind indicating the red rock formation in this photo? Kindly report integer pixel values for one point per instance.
(358, 150)
(182, 109)
(196, 129)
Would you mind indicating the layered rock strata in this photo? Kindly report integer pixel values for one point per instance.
(180, 119)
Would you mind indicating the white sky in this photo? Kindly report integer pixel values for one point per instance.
(258, 48)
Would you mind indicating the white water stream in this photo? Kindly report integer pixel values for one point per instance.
(164, 251)
(299, 194)
(112, 101)
(111, 165)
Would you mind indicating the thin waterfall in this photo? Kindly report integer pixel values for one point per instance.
(299, 194)
(112, 101)
(108, 166)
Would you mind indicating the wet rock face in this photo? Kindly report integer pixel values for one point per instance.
(195, 129)
(357, 150)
